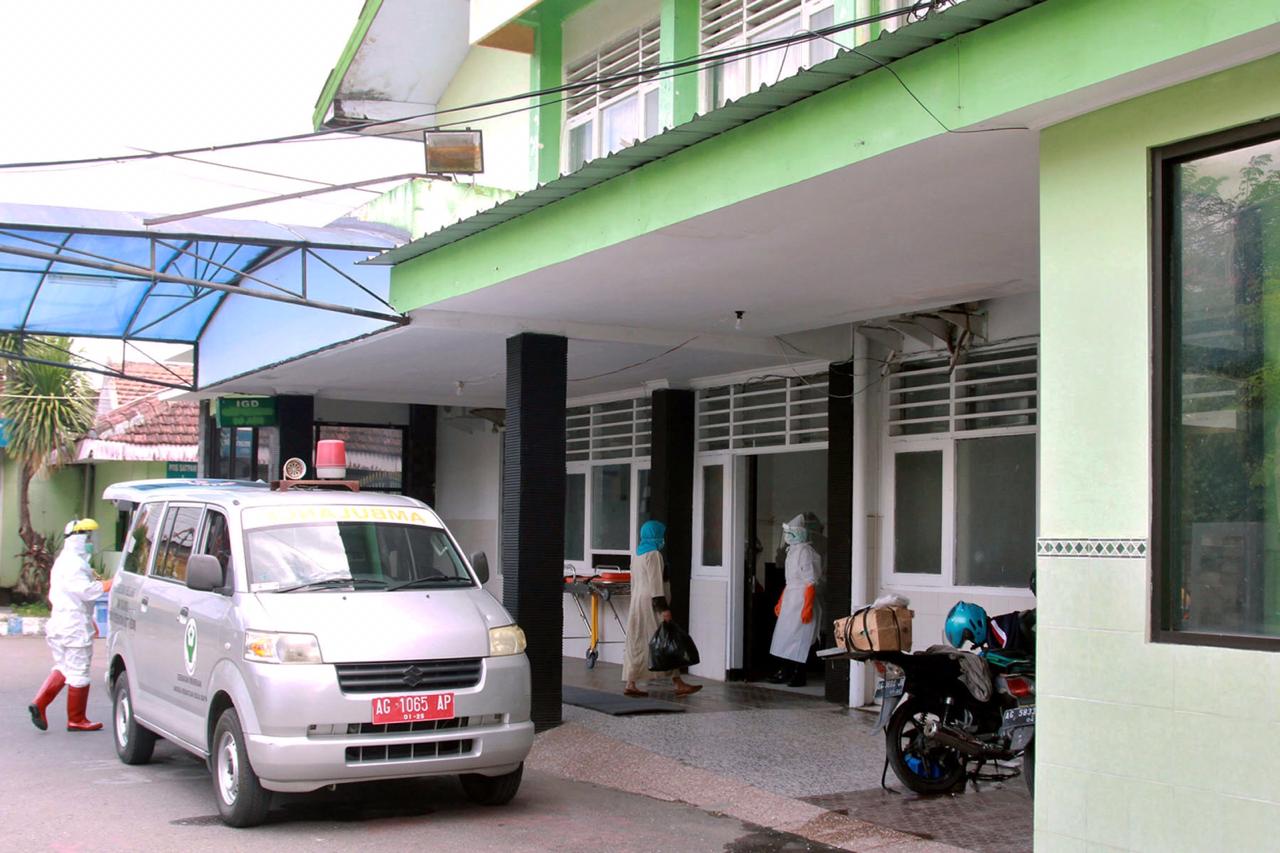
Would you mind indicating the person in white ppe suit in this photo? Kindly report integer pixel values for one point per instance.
(73, 589)
(797, 628)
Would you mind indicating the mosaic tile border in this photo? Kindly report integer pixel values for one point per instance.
(1135, 549)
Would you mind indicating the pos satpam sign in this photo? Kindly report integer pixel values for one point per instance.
(246, 412)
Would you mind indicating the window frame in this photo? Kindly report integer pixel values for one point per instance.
(318, 425)
(164, 537)
(805, 12)
(1162, 161)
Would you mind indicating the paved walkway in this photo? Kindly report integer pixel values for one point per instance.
(745, 741)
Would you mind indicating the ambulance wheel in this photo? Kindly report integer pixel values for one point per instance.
(492, 790)
(134, 744)
(242, 801)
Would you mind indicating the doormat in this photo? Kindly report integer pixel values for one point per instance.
(615, 703)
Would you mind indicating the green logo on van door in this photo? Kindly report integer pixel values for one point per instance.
(189, 647)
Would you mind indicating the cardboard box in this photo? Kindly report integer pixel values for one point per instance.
(880, 629)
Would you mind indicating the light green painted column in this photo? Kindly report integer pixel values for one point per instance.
(678, 39)
(547, 71)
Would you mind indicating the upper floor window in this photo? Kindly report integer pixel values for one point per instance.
(1216, 423)
(728, 24)
(604, 117)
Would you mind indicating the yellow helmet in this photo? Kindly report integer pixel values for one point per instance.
(83, 525)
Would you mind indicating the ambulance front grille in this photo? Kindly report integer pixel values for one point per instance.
(409, 751)
(406, 676)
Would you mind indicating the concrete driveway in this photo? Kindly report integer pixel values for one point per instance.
(68, 792)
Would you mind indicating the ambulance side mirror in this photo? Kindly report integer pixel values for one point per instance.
(480, 563)
(205, 573)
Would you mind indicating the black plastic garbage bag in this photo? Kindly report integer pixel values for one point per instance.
(671, 648)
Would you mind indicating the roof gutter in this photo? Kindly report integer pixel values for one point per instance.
(354, 43)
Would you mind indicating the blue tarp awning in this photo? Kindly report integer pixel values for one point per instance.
(106, 274)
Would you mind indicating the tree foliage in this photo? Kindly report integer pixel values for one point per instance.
(48, 407)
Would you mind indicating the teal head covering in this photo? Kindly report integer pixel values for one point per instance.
(652, 536)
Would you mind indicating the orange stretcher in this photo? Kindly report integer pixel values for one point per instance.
(599, 588)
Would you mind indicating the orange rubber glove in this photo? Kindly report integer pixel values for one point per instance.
(777, 608)
(806, 612)
(106, 585)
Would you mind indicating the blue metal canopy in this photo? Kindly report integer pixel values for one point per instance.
(105, 274)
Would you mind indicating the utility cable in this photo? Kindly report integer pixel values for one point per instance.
(697, 61)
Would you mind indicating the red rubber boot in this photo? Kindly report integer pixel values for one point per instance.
(77, 699)
(48, 692)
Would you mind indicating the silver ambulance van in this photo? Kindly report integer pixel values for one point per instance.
(299, 639)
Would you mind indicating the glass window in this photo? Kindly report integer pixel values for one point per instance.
(581, 144)
(368, 555)
(917, 512)
(217, 539)
(575, 516)
(620, 124)
(375, 455)
(995, 510)
(142, 536)
(644, 501)
(176, 543)
(822, 49)
(770, 66)
(1220, 390)
(713, 515)
(651, 118)
(611, 507)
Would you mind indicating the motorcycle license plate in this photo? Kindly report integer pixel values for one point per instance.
(891, 689)
(1020, 716)
(889, 692)
(412, 709)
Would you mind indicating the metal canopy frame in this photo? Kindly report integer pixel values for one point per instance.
(165, 286)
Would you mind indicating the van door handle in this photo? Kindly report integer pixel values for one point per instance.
(183, 614)
(142, 605)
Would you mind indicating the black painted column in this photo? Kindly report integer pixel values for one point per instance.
(839, 567)
(533, 486)
(671, 488)
(296, 418)
(420, 454)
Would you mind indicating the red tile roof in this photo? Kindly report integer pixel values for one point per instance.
(131, 415)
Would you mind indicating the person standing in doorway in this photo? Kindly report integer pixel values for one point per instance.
(73, 589)
(648, 604)
(797, 628)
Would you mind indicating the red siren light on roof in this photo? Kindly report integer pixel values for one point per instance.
(331, 459)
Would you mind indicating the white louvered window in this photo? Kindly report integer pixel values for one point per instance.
(775, 412)
(606, 115)
(990, 388)
(960, 469)
(620, 429)
(729, 24)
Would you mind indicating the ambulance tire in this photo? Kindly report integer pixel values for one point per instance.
(134, 744)
(492, 790)
(242, 801)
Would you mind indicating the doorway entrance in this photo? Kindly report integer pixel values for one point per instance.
(776, 488)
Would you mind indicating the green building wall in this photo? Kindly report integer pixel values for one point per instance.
(59, 496)
(1141, 745)
(56, 498)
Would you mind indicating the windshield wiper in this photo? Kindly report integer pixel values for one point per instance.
(419, 582)
(334, 582)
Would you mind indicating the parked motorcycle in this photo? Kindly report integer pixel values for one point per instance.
(952, 716)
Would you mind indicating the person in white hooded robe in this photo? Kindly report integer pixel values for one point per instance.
(73, 589)
(797, 628)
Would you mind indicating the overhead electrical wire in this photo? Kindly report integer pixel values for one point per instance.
(692, 64)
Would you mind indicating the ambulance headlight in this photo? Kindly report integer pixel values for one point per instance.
(269, 647)
(507, 640)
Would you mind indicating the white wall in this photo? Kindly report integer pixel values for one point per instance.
(468, 486)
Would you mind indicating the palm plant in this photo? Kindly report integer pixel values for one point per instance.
(48, 406)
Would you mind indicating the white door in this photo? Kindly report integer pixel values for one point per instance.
(714, 558)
